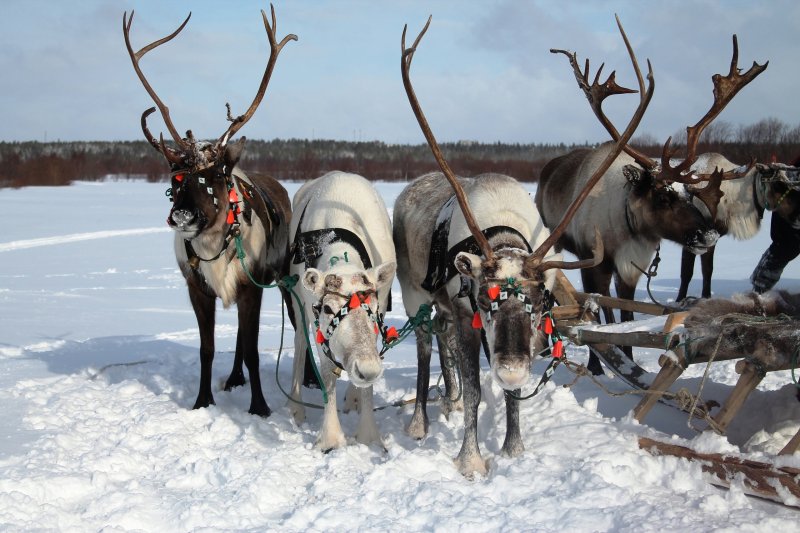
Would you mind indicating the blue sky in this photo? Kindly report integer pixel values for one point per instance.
(483, 71)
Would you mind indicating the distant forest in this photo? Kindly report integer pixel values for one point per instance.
(60, 163)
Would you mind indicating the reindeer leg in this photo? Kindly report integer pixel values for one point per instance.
(448, 360)
(687, 270)
(309, 378)
(204, 309)
(512, 445)
(301, 352)
(331, 435)
(418, 426)
(707, 266)
(627, 292)
(249, 306)
(367, 431)
(469, 460)
(597, 280)
(236, 378)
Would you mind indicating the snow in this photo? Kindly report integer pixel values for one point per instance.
(99, 369)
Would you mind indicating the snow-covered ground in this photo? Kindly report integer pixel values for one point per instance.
(99, 369)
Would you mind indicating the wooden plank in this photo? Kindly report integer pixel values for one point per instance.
(748, 381)
(563, 290)
(675, 320)
(670, 371)
(758, 479)
(620, 303)
(645, 339)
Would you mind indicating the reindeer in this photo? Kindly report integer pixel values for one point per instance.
(636, 205)
(343, 254)
(215, 204)
(741, 208)
(498, 246)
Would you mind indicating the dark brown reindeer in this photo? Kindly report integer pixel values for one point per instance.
(635, 206)
(498, 245)
(217, 211)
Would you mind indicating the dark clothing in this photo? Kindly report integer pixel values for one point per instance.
(784, 248)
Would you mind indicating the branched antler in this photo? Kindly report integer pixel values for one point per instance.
(645, 95)
(407, 55)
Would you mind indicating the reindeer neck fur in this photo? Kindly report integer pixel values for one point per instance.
(499, 200)
(223, 274)
(736, 213)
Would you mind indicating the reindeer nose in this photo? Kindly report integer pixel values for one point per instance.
(704, 239)
(368, 372)
(182, 217)
(512, 377)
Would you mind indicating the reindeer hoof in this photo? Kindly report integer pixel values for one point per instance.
(261, 410)
(236, 379)
(594, 366)
(469, 466)
(204, 401)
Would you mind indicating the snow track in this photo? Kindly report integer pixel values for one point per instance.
(76, 237)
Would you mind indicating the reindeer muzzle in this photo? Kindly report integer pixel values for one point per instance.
(700, 241)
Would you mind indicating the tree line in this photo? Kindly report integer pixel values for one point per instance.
(60, 163)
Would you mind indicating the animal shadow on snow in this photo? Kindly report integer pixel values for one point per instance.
(164, 367)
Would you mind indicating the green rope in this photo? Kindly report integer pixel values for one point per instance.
(422, 318)
(288, 283)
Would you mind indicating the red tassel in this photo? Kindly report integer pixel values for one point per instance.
(230, 219)
(376, 329)
(179, 178)
(558, 349)
(391, 334)
(548, 326)
(493, 292)
(354, 301)
(477, 323)
(232, 196)
(320, 336)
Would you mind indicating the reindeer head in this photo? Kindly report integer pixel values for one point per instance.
(657, 210)
(202, 189)
(670, 212)
(346, 307)
(510, 300)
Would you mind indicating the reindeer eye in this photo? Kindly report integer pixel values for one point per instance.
(327, 309)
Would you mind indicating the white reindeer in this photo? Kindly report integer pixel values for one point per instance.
(343, 253)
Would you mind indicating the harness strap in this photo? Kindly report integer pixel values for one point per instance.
(441, 266)
(308, 245)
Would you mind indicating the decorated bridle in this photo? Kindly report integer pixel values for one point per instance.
(355, 300)
(234, 207)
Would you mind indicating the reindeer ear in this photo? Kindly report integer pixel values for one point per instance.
(233, 152)
(632, 174)
(313, 281)
(468, 264)
(384, 273)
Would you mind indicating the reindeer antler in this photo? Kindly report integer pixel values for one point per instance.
(135, 57)
(725, 88)
(190, 147)
(597, 92)
(275, 49)
(406, 57)
(644, 100)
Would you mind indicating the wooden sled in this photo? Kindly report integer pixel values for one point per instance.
(582, 328)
